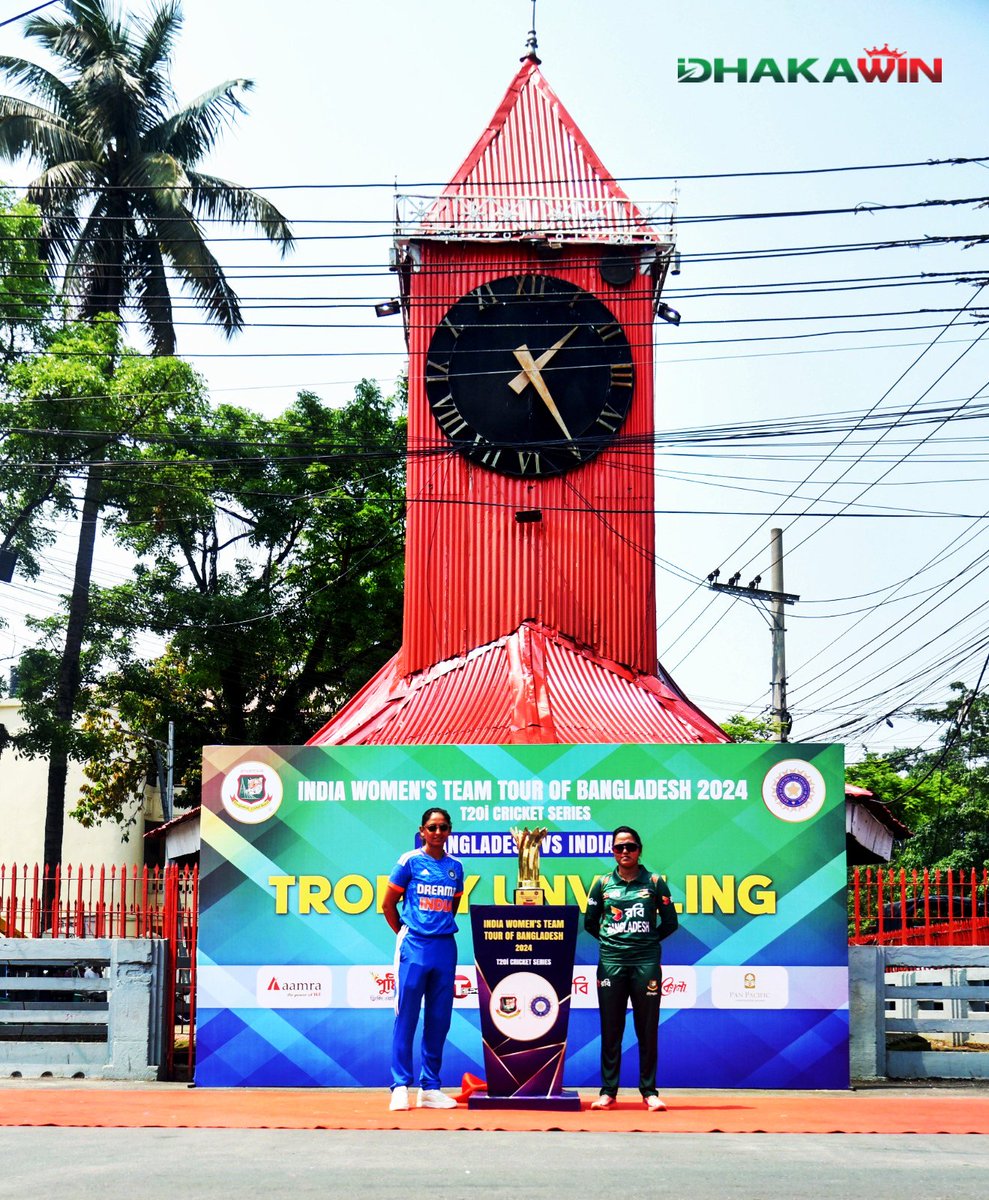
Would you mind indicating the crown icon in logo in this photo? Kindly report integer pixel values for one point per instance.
(885, 52)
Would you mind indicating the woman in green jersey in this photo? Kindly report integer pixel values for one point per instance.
(630, 912)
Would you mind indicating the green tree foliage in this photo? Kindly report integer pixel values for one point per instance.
(72, 415)
(25, 292)
(942, 795)
(751, 729)
(121, 194)
(270, 563)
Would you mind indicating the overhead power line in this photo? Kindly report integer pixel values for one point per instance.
(405, 186)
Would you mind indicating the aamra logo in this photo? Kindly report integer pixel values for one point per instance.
(874, 66)
(285, 986)
(251, 792)
(794, 790)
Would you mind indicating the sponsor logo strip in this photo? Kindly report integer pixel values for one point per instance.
(373, 987)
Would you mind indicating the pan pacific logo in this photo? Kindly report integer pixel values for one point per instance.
(251, 792)
(878, 65)
(742, 987)
(794, 790)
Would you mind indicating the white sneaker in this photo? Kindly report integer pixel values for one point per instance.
(399, 1099)
(434, 1098)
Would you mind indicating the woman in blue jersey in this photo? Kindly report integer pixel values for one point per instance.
(429, 883)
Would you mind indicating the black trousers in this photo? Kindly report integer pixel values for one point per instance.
(616, 984)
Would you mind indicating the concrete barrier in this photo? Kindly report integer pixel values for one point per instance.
(81, 1007)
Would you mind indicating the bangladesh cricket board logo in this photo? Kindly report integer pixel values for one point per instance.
(794, 790)
(251, 792)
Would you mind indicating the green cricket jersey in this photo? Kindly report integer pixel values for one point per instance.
(630, 919)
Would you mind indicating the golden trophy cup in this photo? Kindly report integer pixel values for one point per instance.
(527, 842)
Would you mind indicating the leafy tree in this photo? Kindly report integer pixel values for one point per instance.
(25, 292)
(120, 192)
(751, 729)
(271, 557)
(25, 309)
(942, 794)
(73, 414)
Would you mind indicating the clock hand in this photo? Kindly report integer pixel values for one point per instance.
(521, 379)
(528, 365)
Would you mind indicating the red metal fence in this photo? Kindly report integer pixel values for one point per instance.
(113, 902)
(921, 907)
(886, 906)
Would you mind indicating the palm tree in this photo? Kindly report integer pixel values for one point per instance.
(121, 204)
(119, 193)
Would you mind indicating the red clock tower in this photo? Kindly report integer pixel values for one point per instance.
(529, 288)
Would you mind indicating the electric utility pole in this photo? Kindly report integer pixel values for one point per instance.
(776, 597)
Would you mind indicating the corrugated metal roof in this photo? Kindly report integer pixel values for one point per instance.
(534, 686)
(532, 173)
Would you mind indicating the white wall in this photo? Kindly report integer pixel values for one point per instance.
(23, 785)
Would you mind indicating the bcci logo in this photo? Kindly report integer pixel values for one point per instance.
(251, 792)
(794, 790)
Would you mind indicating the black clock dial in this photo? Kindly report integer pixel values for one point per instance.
(529, 375)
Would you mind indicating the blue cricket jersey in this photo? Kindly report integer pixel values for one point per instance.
(431, 887)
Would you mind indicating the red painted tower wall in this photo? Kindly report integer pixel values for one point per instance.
(473, 573)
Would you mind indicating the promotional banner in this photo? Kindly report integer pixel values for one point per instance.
(296, 978)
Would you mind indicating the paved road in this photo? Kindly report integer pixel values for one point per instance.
(228, 1164)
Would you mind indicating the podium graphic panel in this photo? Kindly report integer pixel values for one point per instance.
(524, 957)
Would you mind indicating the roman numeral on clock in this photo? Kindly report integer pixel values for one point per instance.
(448, 416)
(621, 375)
(610, 418)
(530, 462)
(607, 332)
(437, 372)
(530, 285)
(490, 456)
(485, 296)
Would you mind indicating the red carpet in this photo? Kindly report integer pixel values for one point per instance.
(694, 1112)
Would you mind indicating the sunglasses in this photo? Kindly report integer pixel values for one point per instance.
(626, 847)
(437, 828)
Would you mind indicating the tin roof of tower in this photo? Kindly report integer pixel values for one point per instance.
(533, 174)
(534, 686)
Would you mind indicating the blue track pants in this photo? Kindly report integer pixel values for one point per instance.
(426, 970)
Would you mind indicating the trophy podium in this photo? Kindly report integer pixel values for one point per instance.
(524, 954)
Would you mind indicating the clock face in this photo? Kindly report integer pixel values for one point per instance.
(529, 375)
